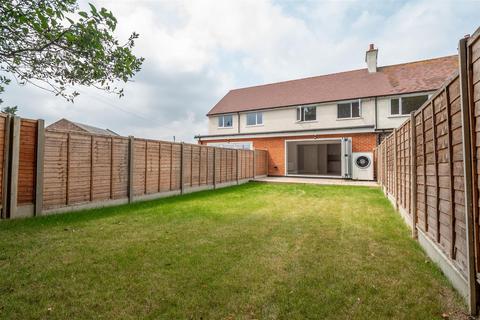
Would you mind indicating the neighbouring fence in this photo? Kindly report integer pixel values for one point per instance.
(429, 168)
(46, 171)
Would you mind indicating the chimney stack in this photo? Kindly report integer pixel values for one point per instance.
(371, 58)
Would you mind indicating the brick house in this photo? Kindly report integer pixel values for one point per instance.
(315, 126)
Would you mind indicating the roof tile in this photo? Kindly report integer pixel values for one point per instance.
(426, 75)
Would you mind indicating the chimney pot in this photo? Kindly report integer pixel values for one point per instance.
(371, 46)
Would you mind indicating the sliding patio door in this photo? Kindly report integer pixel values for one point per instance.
(347, 158)
(327, 158)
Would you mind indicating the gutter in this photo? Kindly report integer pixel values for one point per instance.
(283, 132)
(319, 103)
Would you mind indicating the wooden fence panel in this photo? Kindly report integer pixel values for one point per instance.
(27, 161)
(152, 167)
(195, 160)
(82, 168)
(177, 152)
(101, 180)
(166, 150)
(78, 168)
(261, 162)
(439, 188)
(445, 167)
(139, 166)
(210, 165)
(120, 168)
(55, 169)
(203, 166)
(187, 165)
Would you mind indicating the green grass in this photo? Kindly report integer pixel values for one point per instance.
(256, 251)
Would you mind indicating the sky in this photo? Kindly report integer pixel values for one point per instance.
(196, 51)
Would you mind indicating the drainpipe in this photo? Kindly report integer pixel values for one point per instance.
(376, 121)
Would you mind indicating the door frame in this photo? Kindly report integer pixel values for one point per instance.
(339, 140)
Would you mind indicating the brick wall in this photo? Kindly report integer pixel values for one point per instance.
(361, 142)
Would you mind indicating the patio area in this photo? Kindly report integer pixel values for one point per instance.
(319, 181)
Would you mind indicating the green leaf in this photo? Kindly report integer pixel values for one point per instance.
(70, 37)
(93, 9)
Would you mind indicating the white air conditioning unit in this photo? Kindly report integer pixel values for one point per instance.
(362, 166)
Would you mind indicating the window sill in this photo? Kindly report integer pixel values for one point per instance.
(398, 116)
(253, 125)
(353, 118)
(225, 127)
(308, 121)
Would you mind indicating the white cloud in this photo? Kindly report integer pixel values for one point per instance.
(196, 50)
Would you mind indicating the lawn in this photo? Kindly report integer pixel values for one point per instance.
(256, 251)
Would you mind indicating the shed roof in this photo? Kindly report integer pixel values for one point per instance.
(96, 130)
(80, 127)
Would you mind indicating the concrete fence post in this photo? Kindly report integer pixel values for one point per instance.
(131, 164)
(14, 163)
(468, 171)
(40, 154)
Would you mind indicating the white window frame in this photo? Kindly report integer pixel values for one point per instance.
(350, 102)
(223, 121)
(256, 119)
(400, 104)
(302, 110)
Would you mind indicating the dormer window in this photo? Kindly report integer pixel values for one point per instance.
(225, 121)
(306, 114)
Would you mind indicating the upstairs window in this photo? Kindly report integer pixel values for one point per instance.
(254, 118)
(348, 110)
(225, 121)
(403, 106)
(306, 113)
